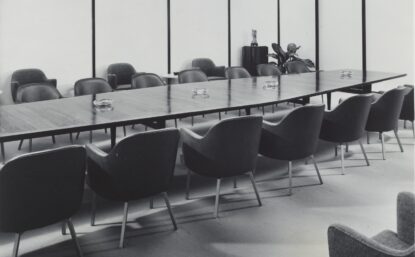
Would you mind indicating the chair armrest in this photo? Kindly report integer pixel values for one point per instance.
(190, 138)
(112, 80)
(14, 85)
(53, 82)
(96, 155)
(345, 242)
(218, 71)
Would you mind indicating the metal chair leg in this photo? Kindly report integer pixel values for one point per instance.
(20, 145)
(382, 140)
(53, 140)
(317, 170)
(188, 184)
(404, 124)
(175, 123)
(77, 135)
(342, 157)
(397, 138)
(16, 245)
(368, 137)
(217, 198)
(64, 228)
(263, 110)
(124, 223)
(90, 137)
(220, 116)
(335, 151)
(251, 177)
(30, 145)
(347, 147)
(125, 130)
(71, 138)
(235, 182)
(166, 200)
(413, 129)
(290, 178)
(75, 239)
(364, 153)
(93, 208)
(193, 120)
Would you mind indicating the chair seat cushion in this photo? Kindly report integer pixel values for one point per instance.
(391, 240)
(216, 78)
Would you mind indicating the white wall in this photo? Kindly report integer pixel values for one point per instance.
(199, 29)
(246, 15)
(132, 31)
(340, 34)
(53, 35)
(390, 38)
(298, 26)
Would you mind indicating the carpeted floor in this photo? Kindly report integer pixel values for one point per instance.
(285, 226)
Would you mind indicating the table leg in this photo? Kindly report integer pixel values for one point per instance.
(113, 132)
(329, 101)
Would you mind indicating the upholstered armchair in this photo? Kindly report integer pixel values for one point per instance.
(119, 75)
(28, 76)
(346, 242)
(209, 68)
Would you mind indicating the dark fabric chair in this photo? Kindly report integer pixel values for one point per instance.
(119, 75)
(346, 123)
(268, 69)
(28, 76)
(41, 189)
(92, 86)
(146, 80)
(407, 113)
(236, 73)
(295, 67)
(346, 242)
(384, 115)
(192, 76)
(34, 93)
(139, 166)
(212, 71)
(228, 149)
(294, 137)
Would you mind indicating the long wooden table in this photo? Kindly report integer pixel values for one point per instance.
(158, 104)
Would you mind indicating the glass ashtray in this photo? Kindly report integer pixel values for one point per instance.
(202, 92)
(346, 74)
(270, 85)
(103, 103)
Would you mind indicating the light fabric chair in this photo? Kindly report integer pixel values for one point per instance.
(145, 80)
(346, 242)
(229, 149)
(139, 166)
(40, 189)
(192, 76)
(294, 137)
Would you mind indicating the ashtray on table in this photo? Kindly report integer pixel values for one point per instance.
(103, 104)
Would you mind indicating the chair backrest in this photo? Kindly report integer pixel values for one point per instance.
(346, 123)
(26, 76)
(385, 111)
(91, 86)
(191, 76)
(146, 80)
(143, 164)
(40, 189)
(36, 92)
(407, 112)
(296, 136)
(268, 69)
(406, 217)
(294, 67)
(204, 64)
(120, 74)
(236, 73)
(230, 148)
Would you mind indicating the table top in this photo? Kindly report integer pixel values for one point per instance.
(167, 102)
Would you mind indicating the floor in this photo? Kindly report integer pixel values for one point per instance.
(364, 199)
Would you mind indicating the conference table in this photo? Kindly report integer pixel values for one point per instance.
(155, 105)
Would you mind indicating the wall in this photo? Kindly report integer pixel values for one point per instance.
(55, 35)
